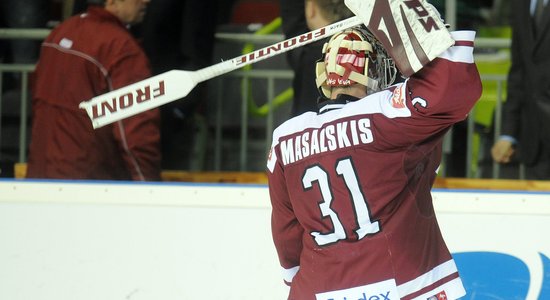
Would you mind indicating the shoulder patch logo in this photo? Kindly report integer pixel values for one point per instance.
(440, 296)
(397, 99)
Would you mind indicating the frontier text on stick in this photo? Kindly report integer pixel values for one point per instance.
(127, 100)
(294, 42)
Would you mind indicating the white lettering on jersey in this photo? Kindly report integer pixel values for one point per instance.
(336, 135)
(330, 138)
(419, 101)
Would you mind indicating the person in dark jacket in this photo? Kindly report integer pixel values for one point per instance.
(299, 17)
(526, 112)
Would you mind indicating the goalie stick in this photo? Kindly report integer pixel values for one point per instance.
(411, 31)
(176, 84)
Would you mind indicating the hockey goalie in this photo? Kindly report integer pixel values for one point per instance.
(352, 213)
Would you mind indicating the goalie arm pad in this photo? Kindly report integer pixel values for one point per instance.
(411, 31)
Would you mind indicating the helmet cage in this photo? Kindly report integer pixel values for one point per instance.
(354, 56)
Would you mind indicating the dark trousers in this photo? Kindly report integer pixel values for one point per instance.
(541, 169)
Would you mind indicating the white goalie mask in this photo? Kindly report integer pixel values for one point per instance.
(354, 56)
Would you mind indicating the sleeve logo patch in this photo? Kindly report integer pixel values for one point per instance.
(397, 99)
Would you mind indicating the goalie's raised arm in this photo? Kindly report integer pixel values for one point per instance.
(411, 31)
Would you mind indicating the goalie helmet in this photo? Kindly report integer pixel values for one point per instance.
(354, 56)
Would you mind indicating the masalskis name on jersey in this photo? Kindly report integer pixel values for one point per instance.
(329, 138)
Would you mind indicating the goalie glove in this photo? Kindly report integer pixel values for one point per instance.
(411, 30)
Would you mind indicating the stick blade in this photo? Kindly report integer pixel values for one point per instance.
(138, 97)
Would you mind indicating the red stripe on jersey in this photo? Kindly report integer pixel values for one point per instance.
(464, 43)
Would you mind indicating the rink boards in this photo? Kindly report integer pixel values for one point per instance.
(104, 240)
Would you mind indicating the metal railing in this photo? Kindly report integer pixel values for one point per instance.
(23, 70)
(270, 76)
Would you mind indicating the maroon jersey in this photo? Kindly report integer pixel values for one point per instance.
(352, 213)
(88, 55)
